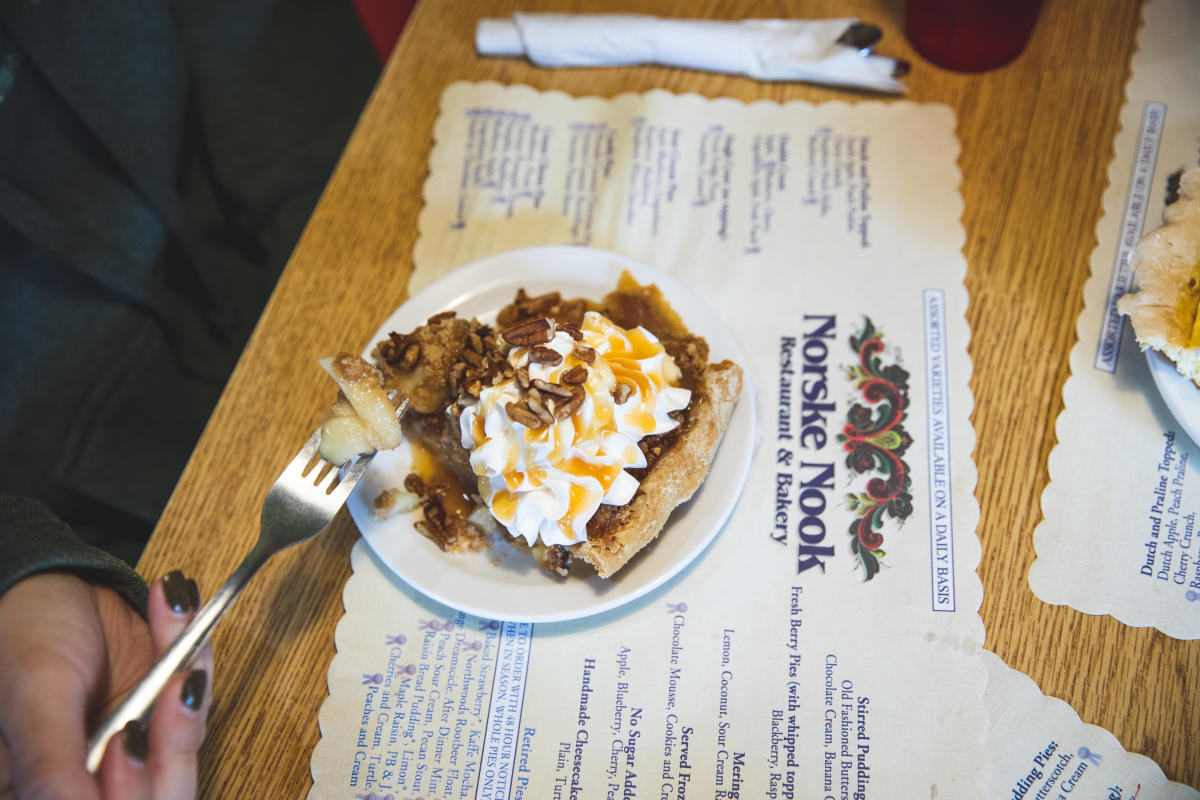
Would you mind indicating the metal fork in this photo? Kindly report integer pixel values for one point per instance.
(300, 505)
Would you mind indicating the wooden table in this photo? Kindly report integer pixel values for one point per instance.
(1036, 142)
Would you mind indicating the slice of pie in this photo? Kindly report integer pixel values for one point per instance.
(575, 426)
(1166, 282)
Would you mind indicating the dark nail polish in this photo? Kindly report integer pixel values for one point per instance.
(193, 689)
(181, 597)
(133, 739)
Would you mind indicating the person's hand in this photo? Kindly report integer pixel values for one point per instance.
(69, 652)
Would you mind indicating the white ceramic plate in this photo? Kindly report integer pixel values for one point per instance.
(503, 583)
(1180, 394)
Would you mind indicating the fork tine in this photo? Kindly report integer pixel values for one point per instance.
(358, 468)
(346, 478)
(321, 470)
(305, 456)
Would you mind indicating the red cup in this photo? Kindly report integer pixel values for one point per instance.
(970, 35)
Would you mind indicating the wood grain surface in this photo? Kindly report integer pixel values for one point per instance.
(1036, 143)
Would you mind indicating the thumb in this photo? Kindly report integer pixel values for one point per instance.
(42, 719)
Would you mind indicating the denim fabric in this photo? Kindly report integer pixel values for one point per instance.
(158, 162)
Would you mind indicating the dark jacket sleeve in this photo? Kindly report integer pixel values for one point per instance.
(158, 161)
(33, 540)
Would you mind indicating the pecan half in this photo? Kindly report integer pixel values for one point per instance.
(622, 392)
(392, 350)
(551, 388)
(544, 355)
(572, 331)
(571, 406)
(536, 406)
(412, 354)
(584, 353)
(435, 515)
(537, 332)
(522, 375)
(575, 375)
(521, 414)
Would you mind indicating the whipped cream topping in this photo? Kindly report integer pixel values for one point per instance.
(547, 482)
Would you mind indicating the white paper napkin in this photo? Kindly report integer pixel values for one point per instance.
(765, 49)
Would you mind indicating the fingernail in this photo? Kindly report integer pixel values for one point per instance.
(193, 689)
(133, 739)
(182, 594)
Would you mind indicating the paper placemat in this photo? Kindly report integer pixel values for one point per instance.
(1119, 532)
(828, 640)
(1040, 750)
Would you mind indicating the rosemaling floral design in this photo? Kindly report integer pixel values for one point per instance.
(874, 439)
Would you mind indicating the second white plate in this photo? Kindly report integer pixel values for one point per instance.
(1180, 394)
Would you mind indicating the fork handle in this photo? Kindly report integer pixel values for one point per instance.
(139, 702)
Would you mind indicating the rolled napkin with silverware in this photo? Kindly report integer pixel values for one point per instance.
(835, 52)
